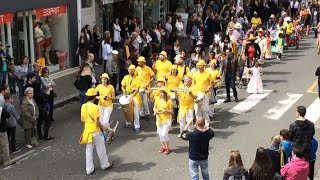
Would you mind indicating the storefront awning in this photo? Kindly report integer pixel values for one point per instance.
(6, 18)
(51, 11)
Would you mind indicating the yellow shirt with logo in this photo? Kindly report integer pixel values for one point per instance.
(182, 70)
(145, 73)
(202, 80)
(163, 105)
(173, 82)
(162, 68)
(89, 112)
(103, 92)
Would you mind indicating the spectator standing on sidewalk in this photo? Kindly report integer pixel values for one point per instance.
(113, 70)
(4, 144)
(21, 71)
(235, 169)
(11, 122)
(262, 168)
(312, 159)
(198, 148)
(12, 77)
(48, 88)
(302, 131)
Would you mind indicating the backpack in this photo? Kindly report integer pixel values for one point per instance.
(240, 177)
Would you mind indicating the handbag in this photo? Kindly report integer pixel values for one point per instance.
(77, 83)
(53, 94)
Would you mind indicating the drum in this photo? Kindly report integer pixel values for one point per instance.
(200, 97)
(172, 96)
(127, 108)
(142, 90)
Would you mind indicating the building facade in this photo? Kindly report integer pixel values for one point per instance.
(18, 30)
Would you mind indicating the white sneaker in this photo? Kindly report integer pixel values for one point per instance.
(29, 146)
(179, 136)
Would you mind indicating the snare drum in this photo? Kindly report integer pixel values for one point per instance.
(127, 108)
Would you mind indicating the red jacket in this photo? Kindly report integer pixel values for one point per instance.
(297, 169)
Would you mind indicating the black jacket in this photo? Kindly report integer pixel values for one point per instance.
(301, 133)
(318, 73)
(199, 144)
(3, 122)
(236, 172)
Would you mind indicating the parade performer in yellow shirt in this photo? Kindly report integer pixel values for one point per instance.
(186, 95)
(162, 66)
(146, 74)
(161, 82)
(215, 74)
(131, 84)
(202, 83)
(163, 109)
(92, 135)
(182, 68)
(106, 94)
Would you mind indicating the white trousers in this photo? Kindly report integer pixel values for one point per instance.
(202, 109)
(105, 113)
(145, 106)
(211, 110)
(136, 118)
(163, 131)
(187, 118)
(98, 142)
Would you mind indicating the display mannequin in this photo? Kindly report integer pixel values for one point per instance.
(47, 40)
(39, 39)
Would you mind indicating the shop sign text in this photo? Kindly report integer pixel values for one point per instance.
(51, 11)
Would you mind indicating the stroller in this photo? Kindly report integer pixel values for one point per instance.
(246, 73)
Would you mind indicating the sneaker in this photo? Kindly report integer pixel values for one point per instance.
(137, 130)
(16, 150)
(162, 150)
(166, 152)
(29, 146)
(110, 166)
(179, 136)
(48, 138)
(236, 99)
(227, 100)
(127, 125)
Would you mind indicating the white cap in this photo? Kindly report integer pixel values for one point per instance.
(115, 52)
(177, 57)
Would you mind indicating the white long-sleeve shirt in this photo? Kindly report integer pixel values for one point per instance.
(116, 33)
(106, 50)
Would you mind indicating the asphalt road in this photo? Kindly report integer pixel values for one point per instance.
(137, 156)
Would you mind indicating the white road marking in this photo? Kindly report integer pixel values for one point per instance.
(313, 111)
(249, 102)
(23, 155)
(282, 106)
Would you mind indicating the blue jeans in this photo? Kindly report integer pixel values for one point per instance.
(230, 82)
(3, 77)
(194, 169)
(82, 96)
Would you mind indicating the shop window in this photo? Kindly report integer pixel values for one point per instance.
(86, 3)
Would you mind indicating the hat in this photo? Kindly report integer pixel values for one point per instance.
(237, 26)
(201, 63)
(164, 89)
(272, 16)
(213, 62)
(163, 53)
(132, 67)
(115, 52)
(104, 75)
(189, 75)
(91, 92)
(141, 59)
(252, 38)
(161, 79)
(254, 13)
(174, 67)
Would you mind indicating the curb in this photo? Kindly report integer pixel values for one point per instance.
(65, 100)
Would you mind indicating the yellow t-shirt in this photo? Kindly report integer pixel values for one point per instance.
(89, 112)
(145, 73)
(181, 70)
(163, 105)
(173, 82)
(214, 74)
(290, 28)
(256, 21)
(186, 101)
(202, 80)
(131, 83)
(103, 92)
(162, 67)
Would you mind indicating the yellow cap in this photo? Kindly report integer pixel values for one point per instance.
(174, 67)
(201, 63)
(91, 92)
(163, 53)
(141, 59)
(104, 75)
(161, 79)
(189, 75)
(164, 89)
(132, 67)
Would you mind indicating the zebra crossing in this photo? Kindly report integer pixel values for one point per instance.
(278, 109)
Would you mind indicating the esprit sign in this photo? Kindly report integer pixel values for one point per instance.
(51, 11)
(6, 18)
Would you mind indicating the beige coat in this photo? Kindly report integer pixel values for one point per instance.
(27, 117)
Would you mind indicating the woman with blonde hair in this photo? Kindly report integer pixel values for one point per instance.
(86, 80)
(235, 168)
(173, 82)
